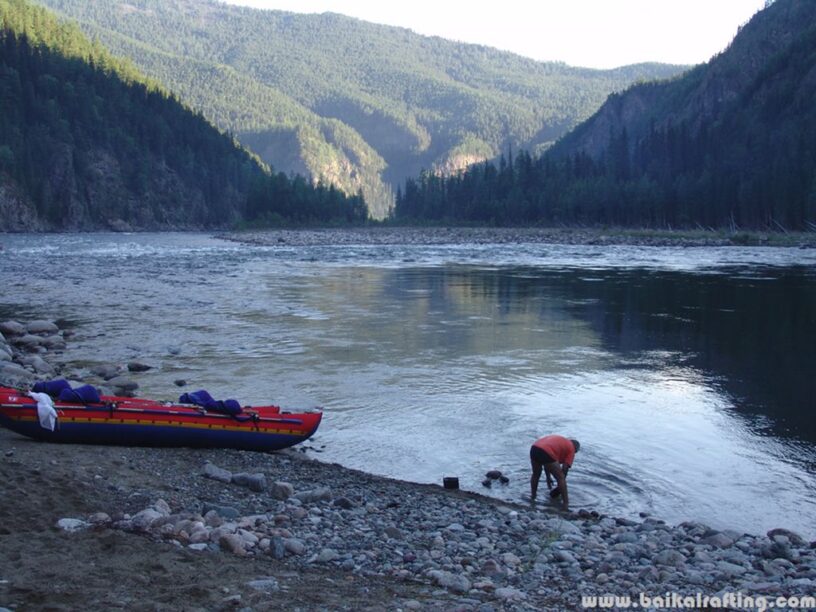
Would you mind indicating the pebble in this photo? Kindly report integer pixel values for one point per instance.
(72, 524)
(217, 473)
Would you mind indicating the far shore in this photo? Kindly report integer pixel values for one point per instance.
(435, 235)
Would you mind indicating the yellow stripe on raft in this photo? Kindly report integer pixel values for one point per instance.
(291, 432)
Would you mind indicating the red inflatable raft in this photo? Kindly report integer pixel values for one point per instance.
(140, 422)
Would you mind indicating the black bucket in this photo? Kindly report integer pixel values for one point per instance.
(450, 482)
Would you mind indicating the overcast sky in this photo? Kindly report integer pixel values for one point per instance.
(592, 33)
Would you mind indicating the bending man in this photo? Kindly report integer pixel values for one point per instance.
(555, 455)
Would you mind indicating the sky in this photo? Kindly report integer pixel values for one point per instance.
(589, 33)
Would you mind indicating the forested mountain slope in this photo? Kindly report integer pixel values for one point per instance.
(733, 140)
(88, 142)
(360, 105)
(731, 143)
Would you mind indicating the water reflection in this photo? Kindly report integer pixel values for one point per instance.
(653, 369)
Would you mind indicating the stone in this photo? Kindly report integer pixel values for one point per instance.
(294, 546)
(216, 473)
(123, 383)
(198, 546)
(394, 533)
(254, 482)
(265, 585)
(315, 495)
(509, 594)
(792, 536)
(775, 550)
(144, 519)
(718, 540)
(41, 327)
(277, 548)
(670, 557)
(72, 524)
(39, 365)
(510, 559)
(54, 342)
(135, 366)
(732, 569)
(227, 512)
(327, 555)
(493, 474)
(627, 537)
(448, 580)
(563, 526)
(15, 375)
(27, 341)
(281, 490)
(105, 372)
(234, 543)
(99, 518)
(12, 328)
(564, 556)
(344, 502)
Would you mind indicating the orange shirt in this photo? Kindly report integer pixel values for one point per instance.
(557, 447)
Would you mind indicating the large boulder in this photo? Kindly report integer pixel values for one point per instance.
(12, 328)
(42, 327)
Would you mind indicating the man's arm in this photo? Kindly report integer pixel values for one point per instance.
(549, 477)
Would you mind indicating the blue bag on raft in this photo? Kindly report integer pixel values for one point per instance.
(51, 387)
(205, 400)
(86, 394)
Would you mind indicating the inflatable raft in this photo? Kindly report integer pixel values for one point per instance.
(141, 422)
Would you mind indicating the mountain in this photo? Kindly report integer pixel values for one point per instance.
(88, 142)
(730, 143)
(359, 105)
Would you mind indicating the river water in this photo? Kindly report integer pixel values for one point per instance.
(689, 375)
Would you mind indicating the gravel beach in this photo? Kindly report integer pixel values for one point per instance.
(393, 235)
(111, 528)
(121, 528)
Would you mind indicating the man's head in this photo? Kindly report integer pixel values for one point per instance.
(576, 444)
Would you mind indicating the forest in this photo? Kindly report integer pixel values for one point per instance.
(87, 140)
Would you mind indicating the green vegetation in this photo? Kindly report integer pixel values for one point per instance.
(730, 144)
(87, 141)
(358, 105)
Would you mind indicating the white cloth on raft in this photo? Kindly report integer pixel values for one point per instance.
(45, 410)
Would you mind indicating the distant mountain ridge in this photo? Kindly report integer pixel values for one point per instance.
(359, 105)
(729, 144)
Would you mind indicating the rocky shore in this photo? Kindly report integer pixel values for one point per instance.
(118, 528)
(393, 235)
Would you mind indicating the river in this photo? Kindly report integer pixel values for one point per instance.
(688, 374)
